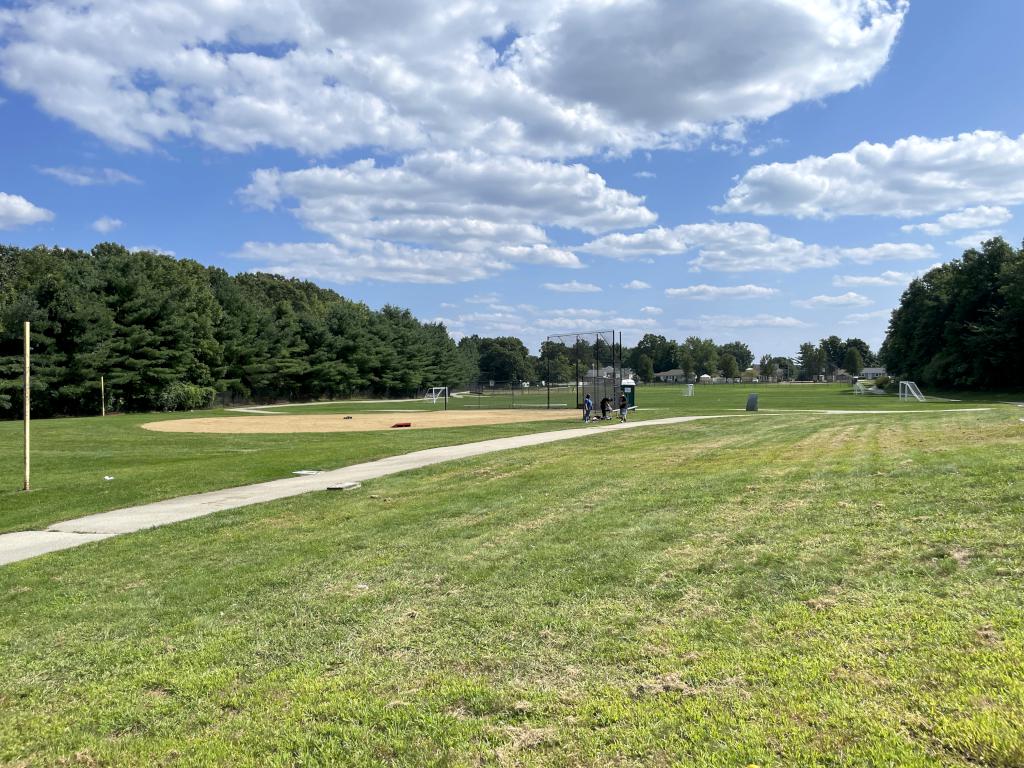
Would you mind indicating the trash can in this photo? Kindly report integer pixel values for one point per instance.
(752, 402)
(629, 390)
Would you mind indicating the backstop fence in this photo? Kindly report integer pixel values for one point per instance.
(572, 366)
(593, 362)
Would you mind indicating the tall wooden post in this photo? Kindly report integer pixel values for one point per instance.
(103, 398)
(28, 407)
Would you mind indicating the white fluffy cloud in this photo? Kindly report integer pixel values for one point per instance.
(16, 211)
(967, 218)
(573, 286)
(450, 197)
(849, 299)
(151, 249)
(451, 208)
(533, 324)
(636, 285)
(320, 77)
(106, 224)
(352, 260)
(743, 321)
(88, 177)
(888, 278)
(915, 176)
(704, 292)
(862, 317)
(744, 246)
(651, 310)
(973, 241)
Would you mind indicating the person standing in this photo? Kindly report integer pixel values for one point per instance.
(606, 408)
(623, 408)
(588, 406)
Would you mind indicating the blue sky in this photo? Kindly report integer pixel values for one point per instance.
(742, 169)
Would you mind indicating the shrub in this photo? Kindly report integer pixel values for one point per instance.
(180, 396)
(882, 382)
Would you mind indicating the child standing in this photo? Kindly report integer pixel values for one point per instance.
(588, 406)
(623, 408)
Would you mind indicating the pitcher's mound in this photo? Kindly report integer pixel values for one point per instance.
(359, 422)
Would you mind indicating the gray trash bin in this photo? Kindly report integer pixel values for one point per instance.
(752, 402)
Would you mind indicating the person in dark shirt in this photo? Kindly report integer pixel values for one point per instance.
(606, 408)
(623, 408)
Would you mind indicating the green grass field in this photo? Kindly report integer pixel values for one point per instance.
(72, 456)
(783, 590)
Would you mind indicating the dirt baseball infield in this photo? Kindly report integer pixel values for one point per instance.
(355, 422)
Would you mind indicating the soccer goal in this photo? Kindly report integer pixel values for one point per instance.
(436, 393)
(689, 391)
(908, 389)
(859, 388)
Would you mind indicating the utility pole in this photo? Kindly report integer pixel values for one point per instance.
(28, 407)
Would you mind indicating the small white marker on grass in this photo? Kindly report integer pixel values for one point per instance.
(344, 487)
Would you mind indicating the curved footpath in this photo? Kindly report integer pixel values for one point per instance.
(82, 530)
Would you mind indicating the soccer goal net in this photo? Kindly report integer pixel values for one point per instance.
(908, 389)
(436, 393)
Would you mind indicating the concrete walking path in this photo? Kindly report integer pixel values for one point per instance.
(82, 530)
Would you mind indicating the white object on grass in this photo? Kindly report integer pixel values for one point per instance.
(689, 390)
(436, 393)
(908, 389)
(108, 477)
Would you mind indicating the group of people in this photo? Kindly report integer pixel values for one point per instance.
(606, 408)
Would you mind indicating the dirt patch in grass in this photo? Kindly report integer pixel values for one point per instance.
(356, 422)
(522, 738)
(672, 682)
(988, 636)
(961, 555)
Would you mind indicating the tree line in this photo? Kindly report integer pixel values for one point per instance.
(961, 325)
(169, 333)
(695, 357)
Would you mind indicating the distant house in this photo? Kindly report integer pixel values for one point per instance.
(607, 372)
(872, 373)
(673, 375)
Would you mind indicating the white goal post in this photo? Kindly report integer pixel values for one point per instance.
(436, 393)
(909, 389)
(689, 391)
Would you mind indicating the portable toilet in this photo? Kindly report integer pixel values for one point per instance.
(629, 390)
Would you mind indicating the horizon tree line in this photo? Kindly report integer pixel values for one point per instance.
(169, 333)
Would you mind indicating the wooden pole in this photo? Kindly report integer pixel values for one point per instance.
(28, 408)
(103, 398)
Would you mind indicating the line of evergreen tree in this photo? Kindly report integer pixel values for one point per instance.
(961, 325)
(171, 333)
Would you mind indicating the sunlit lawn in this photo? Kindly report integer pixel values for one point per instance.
(779, 590)
(72, 456)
